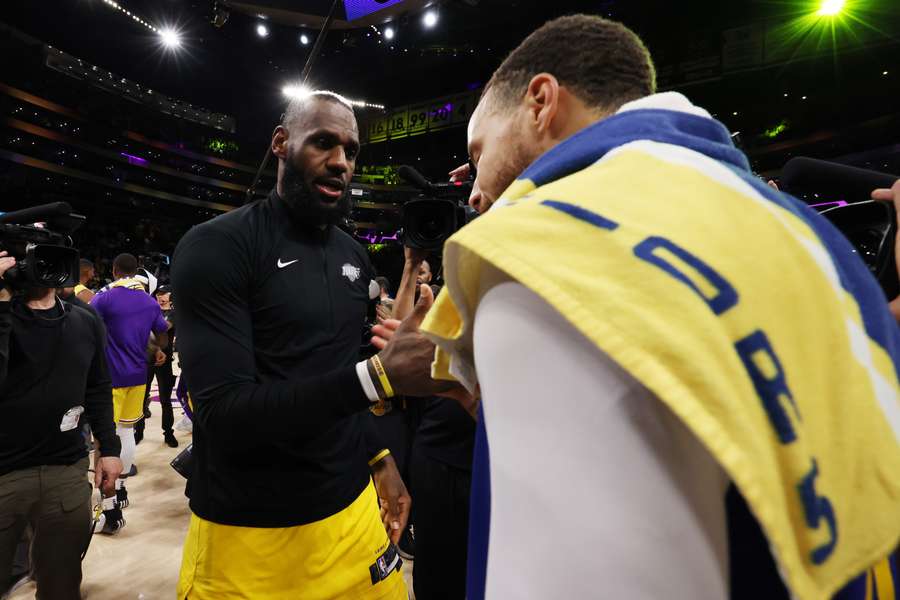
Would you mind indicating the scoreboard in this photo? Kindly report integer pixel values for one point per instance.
(420, 118)
(357, 9)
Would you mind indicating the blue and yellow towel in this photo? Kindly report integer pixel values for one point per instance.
(739, 307)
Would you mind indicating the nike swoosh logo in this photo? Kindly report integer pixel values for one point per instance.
(282, 265)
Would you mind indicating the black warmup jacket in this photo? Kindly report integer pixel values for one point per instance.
(52, 361)
(270, 317)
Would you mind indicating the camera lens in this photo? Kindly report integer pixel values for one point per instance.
(428, 222)
(54, 266)
(52, 274)
(433, 228)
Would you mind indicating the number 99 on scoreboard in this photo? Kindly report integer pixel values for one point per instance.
(419, 119)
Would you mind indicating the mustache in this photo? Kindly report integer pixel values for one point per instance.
(305, 205)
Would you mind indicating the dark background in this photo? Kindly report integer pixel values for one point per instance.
(787, 82)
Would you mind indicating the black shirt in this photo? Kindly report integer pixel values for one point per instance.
(446, 433)
(51, 361)
(74, 301)
(169, 350)
(269, 318)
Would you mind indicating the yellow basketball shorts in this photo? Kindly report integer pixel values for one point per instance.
(128, 404)
(331, 559)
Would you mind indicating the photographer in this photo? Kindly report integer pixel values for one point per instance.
(52, 371)
(693, 349)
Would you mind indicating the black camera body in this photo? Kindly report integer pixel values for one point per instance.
(45, 255)
(439, 212)
(871, 227)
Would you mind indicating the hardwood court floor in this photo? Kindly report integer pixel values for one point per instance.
(142, 562)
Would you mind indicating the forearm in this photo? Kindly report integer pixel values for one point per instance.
(277, 410)
(161, 340)
(374, 443)
(406, 293)
(99, 411)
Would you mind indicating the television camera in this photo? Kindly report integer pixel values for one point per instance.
(437, 213)
(39, 238)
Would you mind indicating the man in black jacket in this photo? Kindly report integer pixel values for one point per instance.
(271, 302)
(52, 370)
(165, 378)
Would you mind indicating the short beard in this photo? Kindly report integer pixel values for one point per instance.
(303, 204)
(518, 161)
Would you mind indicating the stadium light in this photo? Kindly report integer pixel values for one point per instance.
(304, 39)
(430, 19)
(295, 91)
(128, 13)
(262, 31)
(170, 38)
(830, 8)
(388, 33)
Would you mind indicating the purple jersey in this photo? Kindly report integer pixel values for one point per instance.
(130, 315)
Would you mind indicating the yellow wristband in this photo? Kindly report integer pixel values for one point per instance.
(379, 456)
(382, 376)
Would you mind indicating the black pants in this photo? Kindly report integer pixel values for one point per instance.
(166, 380)
(441, 497)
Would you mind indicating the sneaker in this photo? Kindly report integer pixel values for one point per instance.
(171, 442)
(185, 425)
(113, 521)
(121, 498)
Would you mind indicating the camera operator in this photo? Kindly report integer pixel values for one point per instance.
(271, 299)
(681, 338)
(52, 371)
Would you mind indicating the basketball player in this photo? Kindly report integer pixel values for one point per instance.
(681, 338)
(86, 275)
(272, 298)
(130, 315)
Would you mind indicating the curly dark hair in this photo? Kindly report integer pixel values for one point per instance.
(603, 62)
